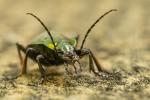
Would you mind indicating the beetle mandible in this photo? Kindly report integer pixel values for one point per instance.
(49, 49)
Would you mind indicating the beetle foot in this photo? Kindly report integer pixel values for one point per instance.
(67, 71)
(101, 74)
(43, 80)
(15, 77)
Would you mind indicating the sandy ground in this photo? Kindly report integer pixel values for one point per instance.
(121, 42)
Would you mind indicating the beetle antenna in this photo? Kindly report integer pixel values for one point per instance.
(44, 28)
(92, 26)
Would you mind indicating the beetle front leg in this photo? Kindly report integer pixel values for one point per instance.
(92, 60)
(96, 62)
(91, 65)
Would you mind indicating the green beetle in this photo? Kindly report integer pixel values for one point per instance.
(55, 49)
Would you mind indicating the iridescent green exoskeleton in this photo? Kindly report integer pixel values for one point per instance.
(54, 49)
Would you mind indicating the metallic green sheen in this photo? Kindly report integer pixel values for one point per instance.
(59, 39)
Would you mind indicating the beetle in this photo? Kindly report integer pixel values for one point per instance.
(51, 49)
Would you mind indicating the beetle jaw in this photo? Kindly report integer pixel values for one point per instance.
(76, 55)
(71, 57)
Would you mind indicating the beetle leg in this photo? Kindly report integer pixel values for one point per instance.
(92, 61)
(75, 69)
(66, 68)
(24, 67)
(91, 65)
(19, 49)
(96, 62)
(42, 71)
(80, 66)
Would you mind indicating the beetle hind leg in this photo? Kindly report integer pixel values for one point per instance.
(22, 61)
(19, 49)
(24, 67)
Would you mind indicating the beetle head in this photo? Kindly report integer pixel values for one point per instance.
(69, 53)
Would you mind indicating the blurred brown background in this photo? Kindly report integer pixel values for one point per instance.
(121, 38)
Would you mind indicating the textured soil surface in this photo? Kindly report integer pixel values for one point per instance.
(121, 43)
